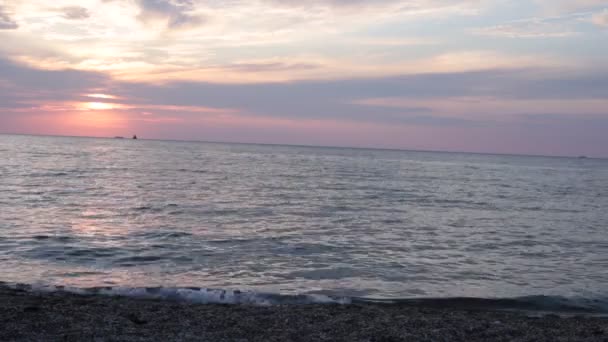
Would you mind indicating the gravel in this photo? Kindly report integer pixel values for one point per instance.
(58, 316)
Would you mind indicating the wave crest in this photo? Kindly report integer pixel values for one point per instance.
(546, 304)
(191, 294)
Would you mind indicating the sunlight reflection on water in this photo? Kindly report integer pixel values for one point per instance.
(89, 212)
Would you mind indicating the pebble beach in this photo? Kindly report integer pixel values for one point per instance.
(61, 316)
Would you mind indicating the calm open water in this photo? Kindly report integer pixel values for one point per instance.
(348, 222)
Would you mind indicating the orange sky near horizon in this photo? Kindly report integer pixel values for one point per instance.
(98, 123)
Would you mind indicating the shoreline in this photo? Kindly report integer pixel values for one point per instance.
(61, 316)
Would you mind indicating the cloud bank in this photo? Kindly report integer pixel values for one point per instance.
(516, 77)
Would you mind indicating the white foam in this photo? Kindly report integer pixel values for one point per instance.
(192, 295)
(592, 305)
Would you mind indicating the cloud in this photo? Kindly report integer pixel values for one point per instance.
(484, 109)
(318, 67)
(75, 12)
(601, 18)
(534, 28)
(6, 22)
(173, 14)
(293, 40)
(22, 83)
(449, 99)
(398, 6)
(268, 67)
(475, 105)
(571, 6)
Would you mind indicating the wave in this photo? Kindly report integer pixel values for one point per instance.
(188, 294)
(541, 304)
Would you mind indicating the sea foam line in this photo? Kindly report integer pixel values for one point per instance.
(547, 304)
(188, 294)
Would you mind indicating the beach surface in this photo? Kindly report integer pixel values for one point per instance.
(60, 316)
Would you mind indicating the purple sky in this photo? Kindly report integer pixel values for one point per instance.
(525, 77)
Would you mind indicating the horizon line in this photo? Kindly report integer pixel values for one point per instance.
(309, 146)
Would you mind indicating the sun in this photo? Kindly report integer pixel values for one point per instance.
(100, 105)
(101, 96)
(88, 106)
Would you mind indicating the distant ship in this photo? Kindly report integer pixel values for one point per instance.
(582, 157)
(135, 137)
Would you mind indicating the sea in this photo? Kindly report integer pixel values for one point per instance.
(246, 223)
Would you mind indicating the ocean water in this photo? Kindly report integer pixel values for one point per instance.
(287, 220)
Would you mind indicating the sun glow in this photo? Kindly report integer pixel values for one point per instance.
(98, 106)
(84, 123)
(102, 96)
(101, 106)
(97, 120)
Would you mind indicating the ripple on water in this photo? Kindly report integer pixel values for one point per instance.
(133, 261)
(297, 219)
(57, 238)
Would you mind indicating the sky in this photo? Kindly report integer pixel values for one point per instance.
(523, 77)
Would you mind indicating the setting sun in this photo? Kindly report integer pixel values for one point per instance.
(99, 105)
(102, 96)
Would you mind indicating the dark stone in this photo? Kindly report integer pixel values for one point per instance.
(387, 339)
(133, 318)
